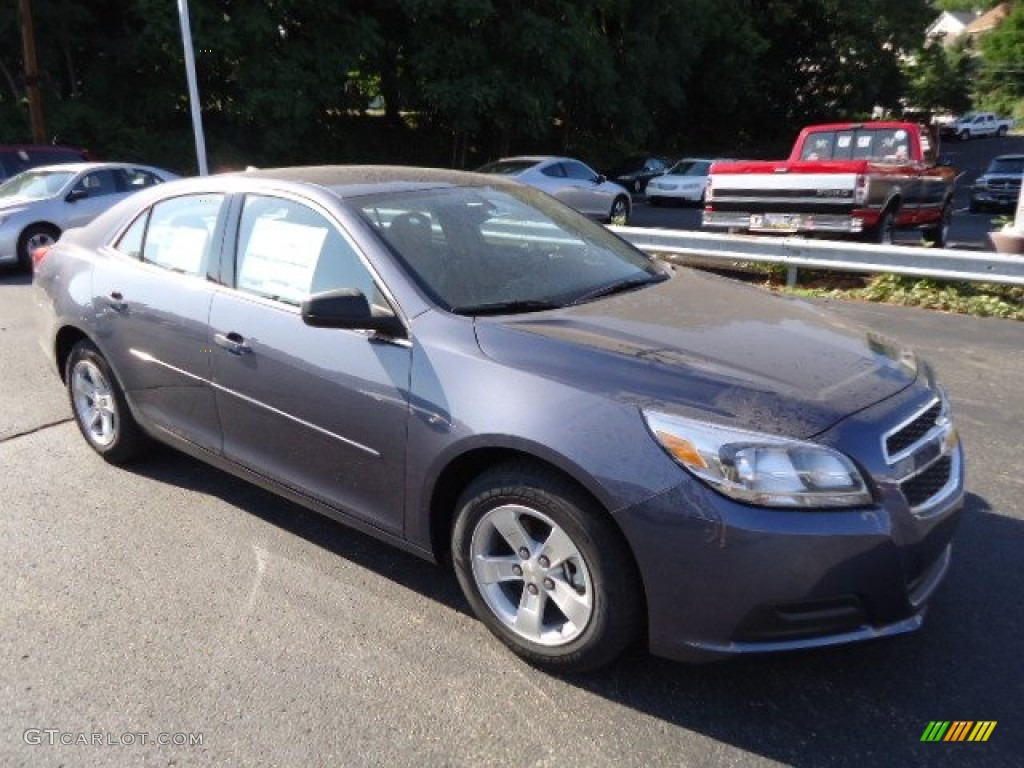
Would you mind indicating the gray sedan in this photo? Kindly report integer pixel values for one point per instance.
(37, 205)
(606, 449)
(574, 183)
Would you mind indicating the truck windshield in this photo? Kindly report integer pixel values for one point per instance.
(876, 144)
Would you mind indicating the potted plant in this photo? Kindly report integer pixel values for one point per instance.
(1006, 237)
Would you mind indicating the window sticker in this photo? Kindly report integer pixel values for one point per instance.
(280, 259)
(843, 141)
(864, 141)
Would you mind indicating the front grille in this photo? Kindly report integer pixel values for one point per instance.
(908, 435)
(921, 487)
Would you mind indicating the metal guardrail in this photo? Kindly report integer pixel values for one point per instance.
(794, 252)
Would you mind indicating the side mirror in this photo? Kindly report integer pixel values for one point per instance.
(600, 178)
(348, 308)
(76, 194)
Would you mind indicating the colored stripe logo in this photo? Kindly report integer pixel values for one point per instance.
(958, 730)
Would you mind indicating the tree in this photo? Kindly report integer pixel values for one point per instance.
(1001, 74)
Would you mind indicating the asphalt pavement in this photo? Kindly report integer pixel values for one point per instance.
(171, 601)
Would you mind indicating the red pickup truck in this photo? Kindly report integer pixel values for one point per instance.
(861, 180)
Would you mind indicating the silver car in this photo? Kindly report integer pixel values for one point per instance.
(574, 183)
(38, 204)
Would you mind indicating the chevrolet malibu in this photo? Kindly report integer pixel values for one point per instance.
(608, 451)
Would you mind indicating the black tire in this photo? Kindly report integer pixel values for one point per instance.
(938, 235)
(883, 232)
(34, 236)
(1001, 132)
(619, 214)
(538, 512)
(964, 135)
(99, 406)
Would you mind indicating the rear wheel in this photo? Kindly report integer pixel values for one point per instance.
(35, 236)
(938, 235)
(99, 406)
(544, 569)
(882, 233)
(619, 214)
(1001, 132)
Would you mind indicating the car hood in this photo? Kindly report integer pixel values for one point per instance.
(705, 347)
(15, 204)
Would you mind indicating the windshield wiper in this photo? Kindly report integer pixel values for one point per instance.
(508, 307)
(619, 286)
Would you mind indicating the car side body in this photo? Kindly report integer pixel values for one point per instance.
(37, 205)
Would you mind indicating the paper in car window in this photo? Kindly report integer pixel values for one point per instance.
(864, 141)
(280, 259)
(843, 141)
(185, 249)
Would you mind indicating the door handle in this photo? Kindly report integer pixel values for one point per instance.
(116, 301)
(232, 342)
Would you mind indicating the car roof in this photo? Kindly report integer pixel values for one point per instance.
(351, 180)
(1008, 157)
(536, 159)
(78, 167)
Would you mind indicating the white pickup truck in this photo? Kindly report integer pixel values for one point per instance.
(975, 125)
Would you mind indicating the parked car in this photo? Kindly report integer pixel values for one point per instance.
(15, 158)
(999, 186)
(974, 125)
(606, 448)
(683, 182)
(574, 183)
(38, 204)
(634, 172)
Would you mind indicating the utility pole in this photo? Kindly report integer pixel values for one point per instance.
(35, 101)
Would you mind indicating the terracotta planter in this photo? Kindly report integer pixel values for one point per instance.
(1008, 241)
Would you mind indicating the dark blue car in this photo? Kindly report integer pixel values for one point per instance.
(608, 450)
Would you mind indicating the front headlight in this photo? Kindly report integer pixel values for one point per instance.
(760, 469)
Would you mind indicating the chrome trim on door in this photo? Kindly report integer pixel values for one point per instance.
(148, 358)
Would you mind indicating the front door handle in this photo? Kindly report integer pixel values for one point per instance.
(116, 301)
(233, 343)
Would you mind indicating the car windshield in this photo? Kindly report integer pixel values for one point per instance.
(1007, 165)
(507, 167)
(482, 250)
(35, 185)
(690, 168)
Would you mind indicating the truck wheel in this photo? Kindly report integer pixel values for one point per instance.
(965, 135)
(882, 233)
(1001, 132)
(938, 235)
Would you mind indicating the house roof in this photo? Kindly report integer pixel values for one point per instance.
(988, 20)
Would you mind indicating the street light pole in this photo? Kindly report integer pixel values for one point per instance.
(193, 88)
(35, 101)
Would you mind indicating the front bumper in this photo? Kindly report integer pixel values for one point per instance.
(1002, 200)
(723, 578)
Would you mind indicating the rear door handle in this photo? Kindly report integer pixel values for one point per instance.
(233, 343)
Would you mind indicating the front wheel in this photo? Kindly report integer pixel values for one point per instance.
(965, 135)
(99, 406)
(619, 214)
(545, 570)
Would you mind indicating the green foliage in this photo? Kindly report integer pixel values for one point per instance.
(289, 81)
(979, 299)
(940, 78)
(1001, 76)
